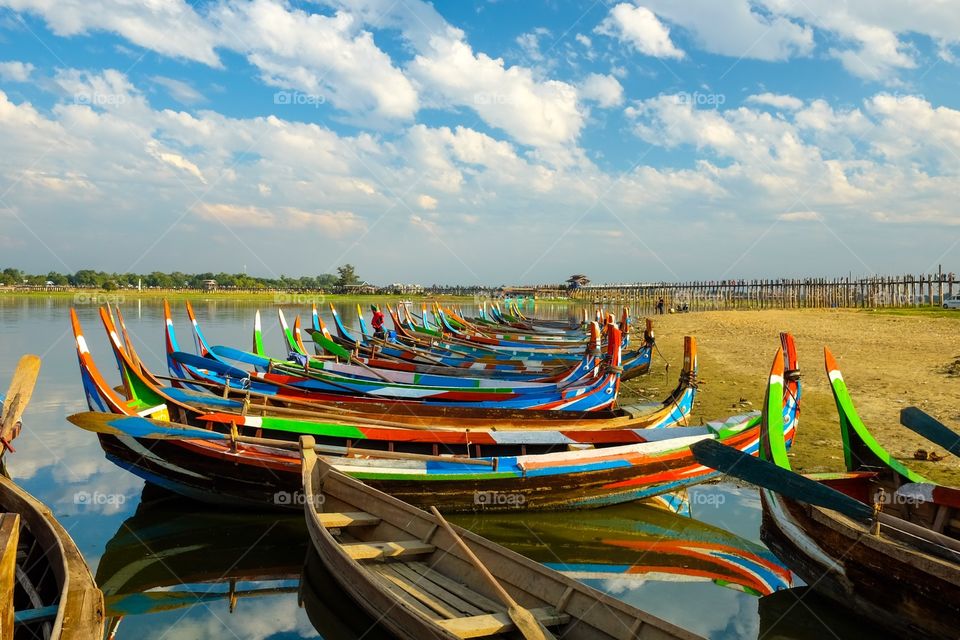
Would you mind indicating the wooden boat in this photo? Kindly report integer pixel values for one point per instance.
(591, 386)
(409, 568)
(213, 466)
(435, 434)
(46, 589)
(635, 543)
(857, 537)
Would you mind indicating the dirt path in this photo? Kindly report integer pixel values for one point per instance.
(888, 362)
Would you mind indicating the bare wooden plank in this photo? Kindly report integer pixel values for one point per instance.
(495, 623)
(426, 582)
(9, 537)
(401, 595)
(348, 519)
(462, 590)
(389, 572)
(381, 550)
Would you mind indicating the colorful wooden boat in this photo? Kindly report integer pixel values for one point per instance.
(209, 465)
(46, 589)
(404, 565)
(589, 387)
(857, 537)
(504, 431)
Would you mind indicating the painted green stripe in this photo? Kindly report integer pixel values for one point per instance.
(773, 414)
(313, 428)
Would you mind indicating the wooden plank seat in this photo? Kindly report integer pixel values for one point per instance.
(384, 550)
(348, 519)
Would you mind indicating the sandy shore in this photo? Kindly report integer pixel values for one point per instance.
(888, 361)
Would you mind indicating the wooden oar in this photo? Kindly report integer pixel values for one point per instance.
(931, 429)
(17, 398)
(527, 624)
(795, 486)
(137, 427)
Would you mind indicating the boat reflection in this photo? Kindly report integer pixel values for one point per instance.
(172, 554)
(638, 543)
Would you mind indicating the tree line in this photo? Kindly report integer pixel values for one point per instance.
(89, 278)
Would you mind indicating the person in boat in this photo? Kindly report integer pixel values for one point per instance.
(377, 322)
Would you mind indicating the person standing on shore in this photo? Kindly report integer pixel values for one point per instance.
(660, 306)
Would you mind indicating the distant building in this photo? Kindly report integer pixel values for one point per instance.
(210, 285)
(399, 287)
(363, 288)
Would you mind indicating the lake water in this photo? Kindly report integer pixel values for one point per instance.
(215, 574)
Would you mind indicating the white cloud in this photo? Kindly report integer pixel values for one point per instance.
(639, 27)
(169, 27)
(179, 90)
(776, 100)
(335, 223)
(800, 216)
(328, 57)
(737, 28)
(426, 202)
(15, 71)
(533, 112)
(175, 160)
(606, 91)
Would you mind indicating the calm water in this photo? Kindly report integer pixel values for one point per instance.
(211, 574)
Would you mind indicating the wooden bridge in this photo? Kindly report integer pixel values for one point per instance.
(868, 292)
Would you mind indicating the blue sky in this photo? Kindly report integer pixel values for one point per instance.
(484, 142)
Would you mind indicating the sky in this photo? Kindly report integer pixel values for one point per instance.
(488, 142)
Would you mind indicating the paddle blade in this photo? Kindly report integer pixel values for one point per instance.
(528, 625)
(137, 427)
(769, 476)
(930, 428)
(19, 393)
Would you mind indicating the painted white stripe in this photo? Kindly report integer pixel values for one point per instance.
(797, 536)
(82, 344)
(136, 447)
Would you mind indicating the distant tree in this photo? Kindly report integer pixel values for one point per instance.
(347, 276)
(326, 281)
